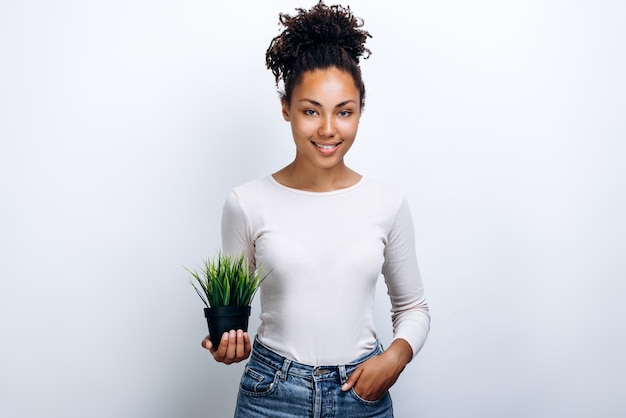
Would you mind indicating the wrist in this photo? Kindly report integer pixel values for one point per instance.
(401, 353)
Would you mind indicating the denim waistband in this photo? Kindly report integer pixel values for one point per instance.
(285, 366)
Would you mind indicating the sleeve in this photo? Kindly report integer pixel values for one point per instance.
(236, 230)
(409, 310)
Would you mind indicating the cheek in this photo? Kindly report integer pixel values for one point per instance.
(302, 127)
(349, 129)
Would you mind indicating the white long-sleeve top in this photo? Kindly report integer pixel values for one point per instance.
(324, 252)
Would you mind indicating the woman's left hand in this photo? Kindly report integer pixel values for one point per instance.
(372, 379)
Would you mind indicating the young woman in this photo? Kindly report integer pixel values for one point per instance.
(325, 233)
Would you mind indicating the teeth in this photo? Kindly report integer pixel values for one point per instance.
(325, 146)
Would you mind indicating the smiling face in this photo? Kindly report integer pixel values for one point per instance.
(324, 113)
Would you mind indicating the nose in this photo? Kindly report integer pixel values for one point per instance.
(327, 127)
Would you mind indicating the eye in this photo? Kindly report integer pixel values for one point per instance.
(310, 112)
(345, 113)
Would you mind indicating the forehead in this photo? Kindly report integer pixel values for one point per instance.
(329, 82)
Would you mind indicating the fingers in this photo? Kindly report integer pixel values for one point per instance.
(234, 347)
(351, 381)
(247, 344)
(357, 378)
(207, 344)
(231, 349)
(222, 349)
(243, 346)
(373, 378)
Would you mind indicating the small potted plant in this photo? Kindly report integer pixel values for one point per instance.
(226, 285)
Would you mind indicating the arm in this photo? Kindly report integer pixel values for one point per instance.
(409, 310)
(410, 317)
(235, 346)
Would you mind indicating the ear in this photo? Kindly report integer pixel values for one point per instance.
(285, 110)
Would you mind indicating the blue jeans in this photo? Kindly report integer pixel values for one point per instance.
(275, 387)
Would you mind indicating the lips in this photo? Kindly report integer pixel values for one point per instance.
(326, 146)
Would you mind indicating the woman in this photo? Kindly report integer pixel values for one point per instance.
(325, 233)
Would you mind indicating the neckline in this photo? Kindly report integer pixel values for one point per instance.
(311, 193)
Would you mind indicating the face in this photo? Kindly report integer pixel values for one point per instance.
(324, 114)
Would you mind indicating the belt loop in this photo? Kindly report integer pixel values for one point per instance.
(285, 369)
(342, 374)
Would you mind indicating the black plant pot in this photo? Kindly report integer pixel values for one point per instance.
(222, 319)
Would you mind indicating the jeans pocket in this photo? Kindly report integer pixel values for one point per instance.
(257, 380)
(366, 401)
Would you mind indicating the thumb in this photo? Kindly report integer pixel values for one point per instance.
(351, 381)
(207, 344)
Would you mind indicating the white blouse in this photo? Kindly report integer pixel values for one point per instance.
(324, 252)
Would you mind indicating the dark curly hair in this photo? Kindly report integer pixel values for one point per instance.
(320, 38)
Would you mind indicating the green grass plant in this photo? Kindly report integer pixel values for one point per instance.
(226, 281)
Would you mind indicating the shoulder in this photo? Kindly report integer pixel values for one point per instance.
(383, 192)
(251, 190)
(250, 195)
(251, 187)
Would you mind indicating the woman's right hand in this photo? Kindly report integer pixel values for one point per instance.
(234, 347)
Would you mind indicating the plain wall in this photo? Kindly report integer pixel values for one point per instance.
(124, 124)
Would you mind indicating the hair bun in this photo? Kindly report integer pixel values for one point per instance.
(326, 26)
(320, 27)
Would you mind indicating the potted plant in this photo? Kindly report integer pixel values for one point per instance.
(226, 285)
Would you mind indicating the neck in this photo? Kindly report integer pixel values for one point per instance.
(317, 179)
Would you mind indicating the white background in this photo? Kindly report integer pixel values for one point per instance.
(123, 125)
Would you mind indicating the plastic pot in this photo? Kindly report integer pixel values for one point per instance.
(221, 319)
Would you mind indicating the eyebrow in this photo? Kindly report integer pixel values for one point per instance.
(316, 103)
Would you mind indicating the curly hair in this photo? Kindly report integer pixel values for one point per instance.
(320, 38)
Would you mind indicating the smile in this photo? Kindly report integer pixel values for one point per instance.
(326, 146)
